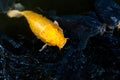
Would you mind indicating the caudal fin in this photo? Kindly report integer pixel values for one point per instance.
(14, 13)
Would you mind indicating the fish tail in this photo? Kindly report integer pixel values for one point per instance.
(14, 13)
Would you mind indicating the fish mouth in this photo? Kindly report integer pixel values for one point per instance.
(61, 45)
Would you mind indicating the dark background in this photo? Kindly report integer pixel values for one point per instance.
(60, 7)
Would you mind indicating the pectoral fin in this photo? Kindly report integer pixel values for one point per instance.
(43, 47)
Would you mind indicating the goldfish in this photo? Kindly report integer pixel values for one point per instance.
(43, 28)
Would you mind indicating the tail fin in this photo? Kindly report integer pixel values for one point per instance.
(14, 13)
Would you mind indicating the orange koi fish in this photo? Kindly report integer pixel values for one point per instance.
(49, 32)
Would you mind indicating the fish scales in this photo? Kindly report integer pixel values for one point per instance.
(46, 30)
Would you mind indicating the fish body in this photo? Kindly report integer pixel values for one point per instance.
(46, 30)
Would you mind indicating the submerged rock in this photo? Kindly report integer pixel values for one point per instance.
(103, 57)
(108, 12)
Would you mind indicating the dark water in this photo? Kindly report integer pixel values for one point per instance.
(60, 7)
(117, 1)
